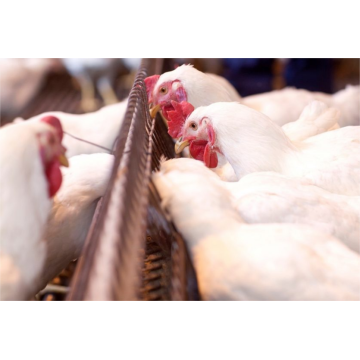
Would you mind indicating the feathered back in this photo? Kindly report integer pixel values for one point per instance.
(316, 118)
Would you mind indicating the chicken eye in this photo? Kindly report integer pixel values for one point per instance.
(163, 90)
(193, 126)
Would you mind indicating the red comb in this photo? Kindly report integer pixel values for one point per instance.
(150, 83)
(177, 117)
(54, 122)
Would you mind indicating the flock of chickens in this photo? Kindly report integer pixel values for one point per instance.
(269, 205)
(266, 195)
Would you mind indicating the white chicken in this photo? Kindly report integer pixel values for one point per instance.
(30, 159)
(100, 127)
(282, 106)
(20, 80)
(251, 142)
(84, 182)
(315, 119)
(237, 261)
(268, 197)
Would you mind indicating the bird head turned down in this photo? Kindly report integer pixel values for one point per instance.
(194, 132)
(52, 152)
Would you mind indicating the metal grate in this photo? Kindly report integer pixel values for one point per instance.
(132, 251)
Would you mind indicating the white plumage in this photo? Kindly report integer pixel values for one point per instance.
(315, 119)
(84, 182)
(100, 127)
(236, 261)
(251, 142)
(283, 106)
(268, 197)
(24, 204)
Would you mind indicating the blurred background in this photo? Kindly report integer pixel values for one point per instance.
(32, 86)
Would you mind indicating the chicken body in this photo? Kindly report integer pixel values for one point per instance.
(25, 205)
(268, 197)
(84, 182)
(100, 127)
(237, 261)
(286, 105)
(251, 142)
(316, 118)
(282, 106)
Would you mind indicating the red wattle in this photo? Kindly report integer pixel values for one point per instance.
(54, 177)
(197, 149)
(177, 117)
(210, 157)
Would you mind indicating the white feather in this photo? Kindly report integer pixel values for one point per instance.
(84, 182)
(236, 261)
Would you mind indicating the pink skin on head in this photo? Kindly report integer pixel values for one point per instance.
(165, 93)
(50, 153)
(54, 177)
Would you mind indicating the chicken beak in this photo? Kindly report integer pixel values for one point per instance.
(63, 160)
(181, 145)
(154, 110)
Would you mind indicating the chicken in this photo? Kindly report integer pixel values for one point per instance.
(20, 80)
(251, 142)
(84, 182)
(315, 119)
(92, 74)
(30, 159)
(237, 261)
(267, 197)
(282, 106)
(163, 90)
(187, 84)
(100, 127)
